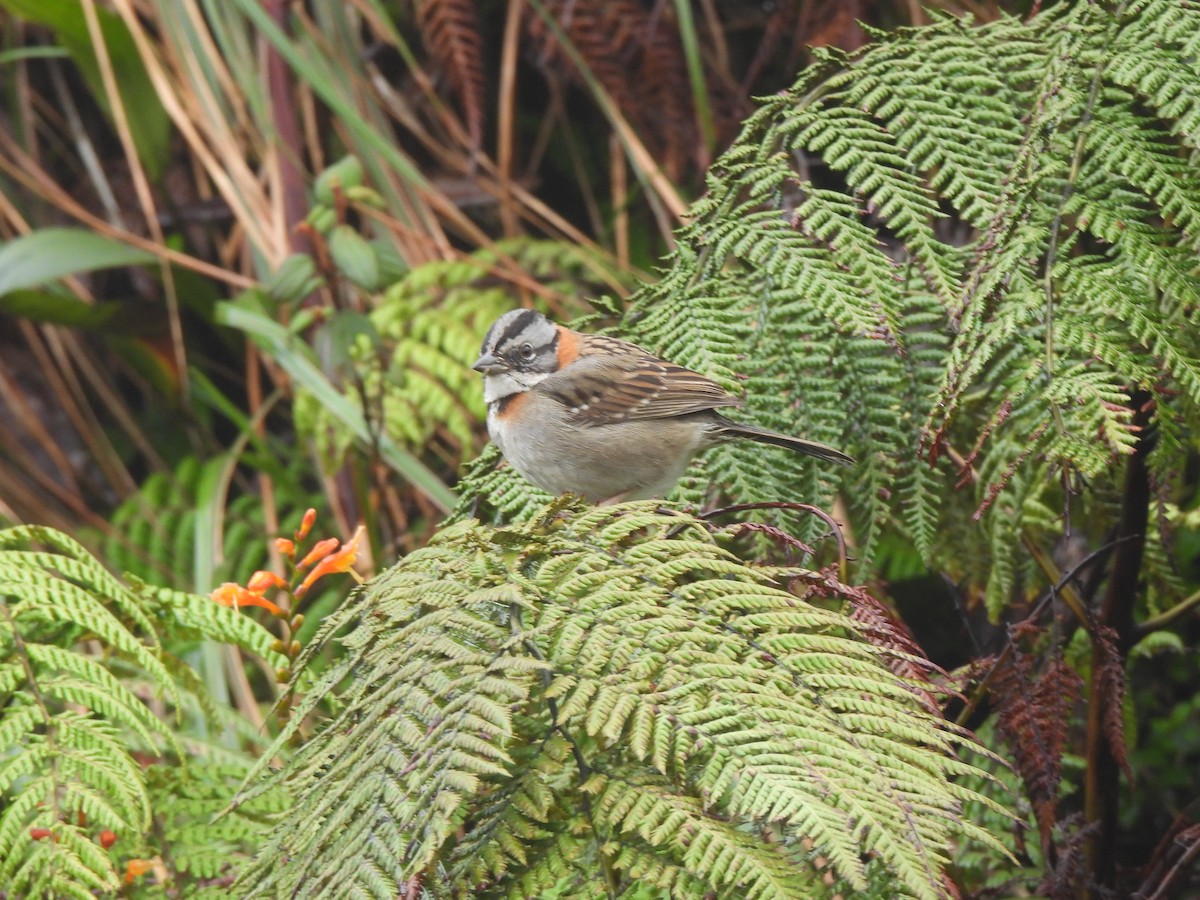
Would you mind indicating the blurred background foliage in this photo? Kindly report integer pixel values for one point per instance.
(248, 249)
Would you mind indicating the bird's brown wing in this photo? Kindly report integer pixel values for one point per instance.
(613, 381)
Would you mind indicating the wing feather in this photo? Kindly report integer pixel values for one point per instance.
(614, 381)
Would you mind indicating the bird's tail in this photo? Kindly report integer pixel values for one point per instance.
(795, 444)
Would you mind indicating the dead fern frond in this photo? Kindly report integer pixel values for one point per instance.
(636, 56)
(450, 31)
(1032, 714)
(904, 655)
(1110, 678)
(1068, 869)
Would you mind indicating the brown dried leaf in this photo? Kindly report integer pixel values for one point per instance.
(905, 658)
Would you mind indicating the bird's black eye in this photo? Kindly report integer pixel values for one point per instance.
(526, 351)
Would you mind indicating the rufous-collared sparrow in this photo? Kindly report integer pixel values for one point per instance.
(600, 417)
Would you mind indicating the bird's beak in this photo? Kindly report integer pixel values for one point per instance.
(489, 364)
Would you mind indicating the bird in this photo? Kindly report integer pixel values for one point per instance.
(600, 417)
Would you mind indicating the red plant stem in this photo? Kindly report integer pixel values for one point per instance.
(287, 134)
(1116, 612)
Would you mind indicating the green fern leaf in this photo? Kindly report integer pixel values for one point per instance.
(545, 703)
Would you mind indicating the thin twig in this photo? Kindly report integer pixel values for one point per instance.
(834, 528)
(1053, 593)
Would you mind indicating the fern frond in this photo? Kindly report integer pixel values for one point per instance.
(450, 29)
(678, 827)
(1000, 218)
(186, 804)
(71, 637)
(527, 700)
(1032, 717)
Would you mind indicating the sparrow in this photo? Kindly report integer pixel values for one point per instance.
(601, 417)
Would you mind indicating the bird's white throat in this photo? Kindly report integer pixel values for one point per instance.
(505, 384)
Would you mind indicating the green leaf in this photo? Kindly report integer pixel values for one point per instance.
(52, 253)
(354, 257)
(295, 278)
(346, 173)
(51, 308)
(20, 54)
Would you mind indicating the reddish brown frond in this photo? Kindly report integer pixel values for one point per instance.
(605, 36)
(1001, 483)
(905, 656)
(669, 109)
(450, 31)
(636, 57)
(778, 535)
(1111, 675)
(1068, 870)
(1003, 411)
(1033, 712)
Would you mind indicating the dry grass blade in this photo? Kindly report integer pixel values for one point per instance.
(174, 63)
(140, 183)
(27, 171)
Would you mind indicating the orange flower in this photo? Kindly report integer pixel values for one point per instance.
(286, 546)
(107, 839)
(306, 524)
(136, 868)
(331, 563)
(40, 834)
(260, 581)
(319, 551)
(230, 594)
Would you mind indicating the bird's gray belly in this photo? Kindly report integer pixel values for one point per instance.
(626, 459)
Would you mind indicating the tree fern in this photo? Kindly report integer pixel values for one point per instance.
(83, 673)
(599, 698)
(960, 238)
(966, 255)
